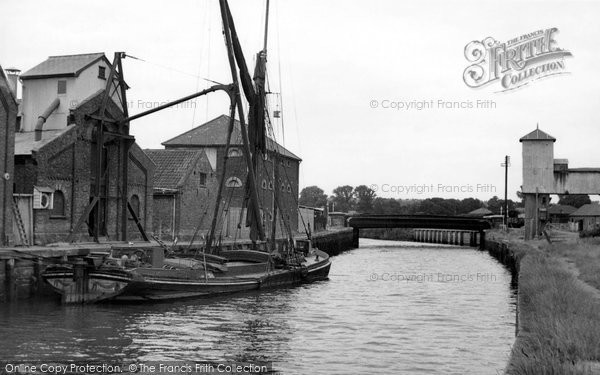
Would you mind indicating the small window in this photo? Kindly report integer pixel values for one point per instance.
(289, 164)
(264, 184)
(233, 182)
(202, 179)
(62, 87)
(282, 186)
(102, 72)
(271, 185)
(289, 188)
(234, 153)
(58, 205)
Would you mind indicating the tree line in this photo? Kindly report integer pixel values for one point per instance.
(363, 199)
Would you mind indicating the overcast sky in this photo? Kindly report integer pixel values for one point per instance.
(330, 60)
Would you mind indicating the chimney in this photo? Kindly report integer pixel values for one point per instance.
(13, 78)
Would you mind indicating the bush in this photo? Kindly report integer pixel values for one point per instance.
(590, 233)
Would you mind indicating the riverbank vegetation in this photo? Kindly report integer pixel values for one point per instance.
(559, 308)
(364, 199)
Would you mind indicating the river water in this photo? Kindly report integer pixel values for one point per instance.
(388, 308)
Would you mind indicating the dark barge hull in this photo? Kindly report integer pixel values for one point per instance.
(83, 286)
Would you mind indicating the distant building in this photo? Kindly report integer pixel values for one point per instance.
(586, 217)
(8, 119)
(543, 175)
(311, 219)
(184, 188)
(480, 212)
(559, 213)
(211, 138)
(55, 154)
(337, 219)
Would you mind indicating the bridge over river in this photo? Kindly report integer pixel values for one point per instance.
(459, 223)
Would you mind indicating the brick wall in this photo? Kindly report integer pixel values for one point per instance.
(194, 204)
(65, 165)
(196, 201)
(8, 113)
(234, 197)
(288, 176)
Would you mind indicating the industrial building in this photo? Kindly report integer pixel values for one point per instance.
(184, 193)
(211, 138)
(57, 156)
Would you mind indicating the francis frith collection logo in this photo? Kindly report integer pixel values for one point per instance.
(514, 63)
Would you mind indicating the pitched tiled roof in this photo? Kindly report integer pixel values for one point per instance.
(592, 209)
(214, 133)
(172, 166)
(63, 66)
(561, 209)
(537, 135)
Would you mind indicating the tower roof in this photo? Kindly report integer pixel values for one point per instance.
(537, 135)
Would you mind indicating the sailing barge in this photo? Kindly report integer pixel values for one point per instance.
(102, 277)
(149, 277)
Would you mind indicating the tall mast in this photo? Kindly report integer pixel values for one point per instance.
(254, 201)
(266, 28)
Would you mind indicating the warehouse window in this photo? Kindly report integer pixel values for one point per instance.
(202, 180)
(233, 182)
(62, 87)
(234, 152)
(101, 72)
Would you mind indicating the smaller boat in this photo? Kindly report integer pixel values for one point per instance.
(145, 275)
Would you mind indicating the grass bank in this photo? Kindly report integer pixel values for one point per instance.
(559, 309)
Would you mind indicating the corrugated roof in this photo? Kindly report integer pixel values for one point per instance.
(480, 212)
(592, 209)
(214, 133)
(25, 142)
(172, 166)
(561, 209)
(63, 66)
(537, 135)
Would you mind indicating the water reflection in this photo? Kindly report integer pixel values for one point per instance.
(348, 324)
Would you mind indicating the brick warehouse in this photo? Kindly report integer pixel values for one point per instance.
(185, 185)
(8, 119)
(54, 156)
(211, 137)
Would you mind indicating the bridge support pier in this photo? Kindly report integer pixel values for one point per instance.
(481, 240)
(355, 237)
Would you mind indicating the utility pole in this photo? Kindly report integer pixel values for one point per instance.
(506, 164)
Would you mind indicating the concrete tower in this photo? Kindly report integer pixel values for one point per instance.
(538, 179)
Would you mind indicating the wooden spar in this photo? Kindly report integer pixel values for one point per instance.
(213, 225)
(226, 88)
(95, 203)
(100, 144)
(246, 149)
(125, 144)
(266, 28)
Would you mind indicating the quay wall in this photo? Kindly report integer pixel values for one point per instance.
(334, 242)
(21, 267)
